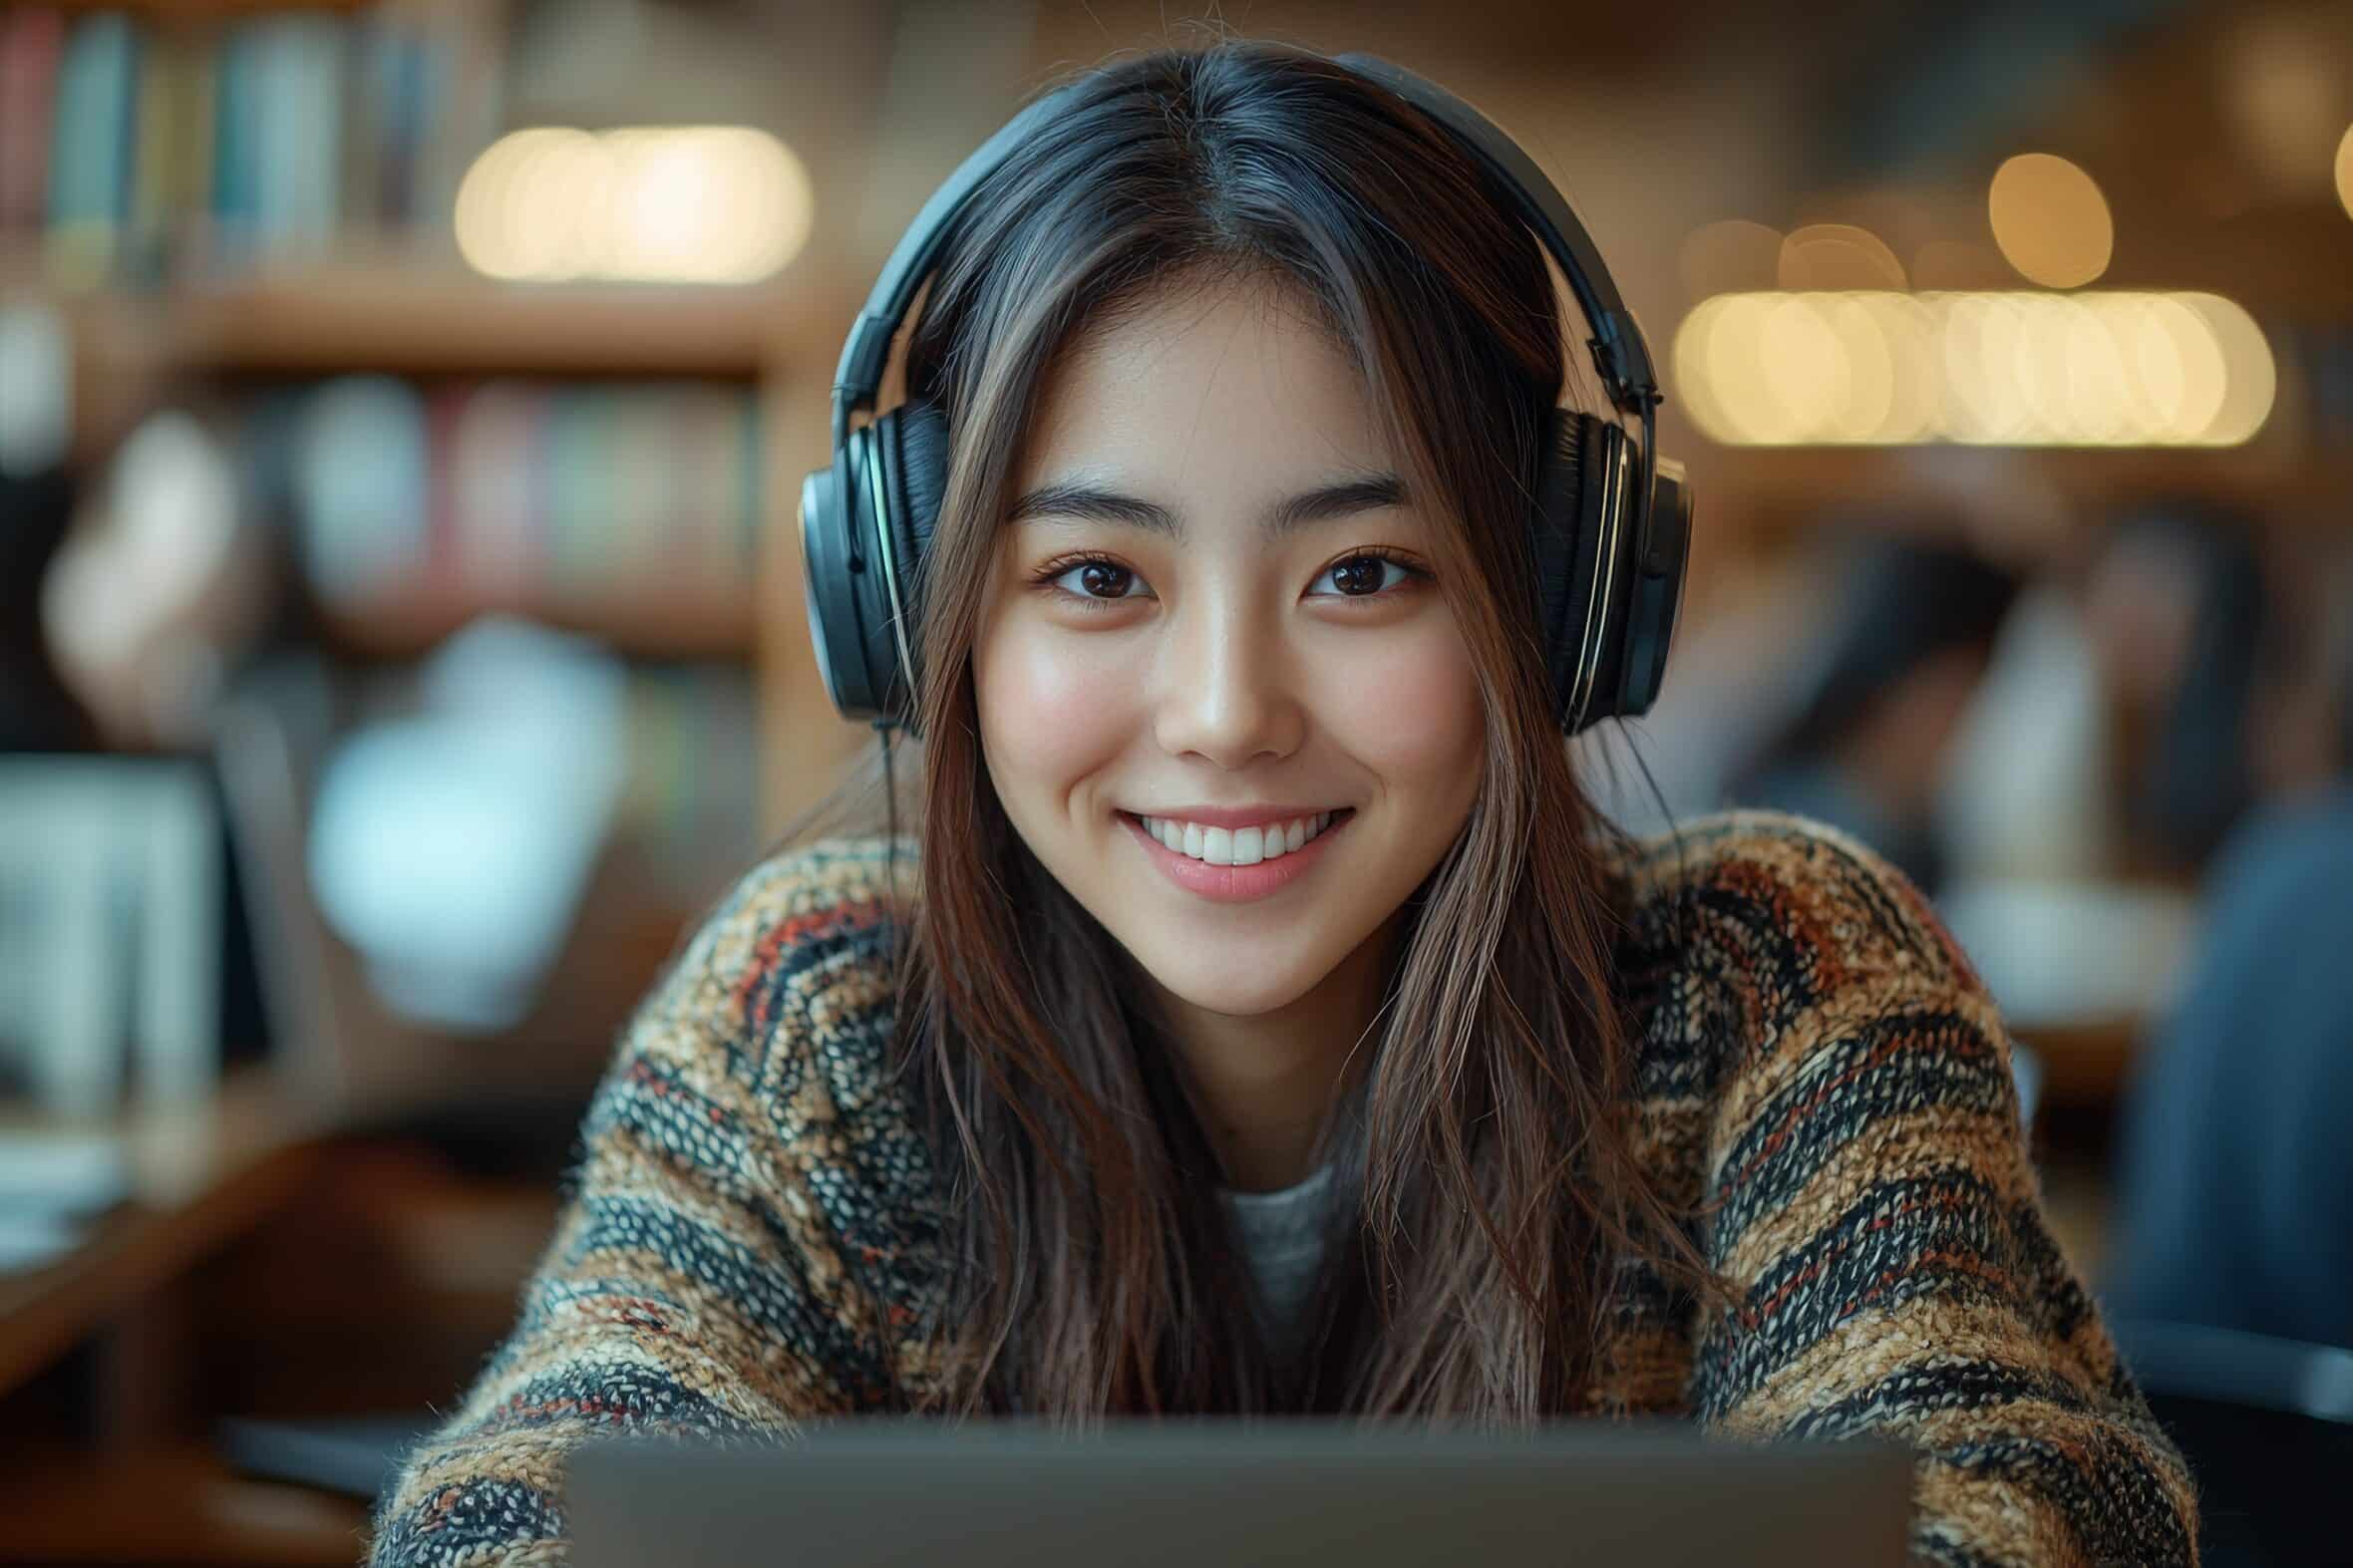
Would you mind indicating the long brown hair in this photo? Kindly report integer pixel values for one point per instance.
(1486, 1139)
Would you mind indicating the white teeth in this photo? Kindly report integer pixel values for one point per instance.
(1237, 847)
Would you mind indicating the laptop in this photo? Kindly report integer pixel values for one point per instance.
(887, 1491)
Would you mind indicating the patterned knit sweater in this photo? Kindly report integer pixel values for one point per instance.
(1816, 1057)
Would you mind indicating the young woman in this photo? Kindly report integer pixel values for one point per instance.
(1462, 1108)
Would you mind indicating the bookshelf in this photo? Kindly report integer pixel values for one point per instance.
(134, 351)
(660, 432)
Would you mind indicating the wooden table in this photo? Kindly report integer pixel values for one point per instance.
(201, 1175)
(146, 1489)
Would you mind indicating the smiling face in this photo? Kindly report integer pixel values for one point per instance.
(1212, 604)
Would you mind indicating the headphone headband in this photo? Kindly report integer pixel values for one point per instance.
(860, 377)
(1619, 352)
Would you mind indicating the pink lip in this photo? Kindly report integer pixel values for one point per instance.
(1233, 884)
(1238, 816)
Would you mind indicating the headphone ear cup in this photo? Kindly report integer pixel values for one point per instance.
(834, 583)
(911, 449)
(1567, 522)
(920, 451)
(1656, 602)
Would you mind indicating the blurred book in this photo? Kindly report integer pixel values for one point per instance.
(32, 49)
(136, 144)
(507, 493)
(90, 155)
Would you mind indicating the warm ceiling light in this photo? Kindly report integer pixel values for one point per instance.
(2279, 84)
(2014, 367)
(671, 203)
(2345, 171)
(2051, 220)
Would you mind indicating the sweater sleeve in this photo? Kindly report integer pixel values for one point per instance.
(693, 1285)
(1875, 1213)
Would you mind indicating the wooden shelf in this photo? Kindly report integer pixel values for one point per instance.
(649, 621)
(179, 9)
(402, 320)
(414, 316)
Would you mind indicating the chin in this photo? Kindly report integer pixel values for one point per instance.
(1242, 984)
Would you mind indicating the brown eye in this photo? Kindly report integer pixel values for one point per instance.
(1091, 583)
(1368, 576)
(1103, 580)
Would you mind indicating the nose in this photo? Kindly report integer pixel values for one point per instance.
(1226, 691)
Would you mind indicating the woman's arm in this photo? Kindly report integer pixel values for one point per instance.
(1883, 1233)
(693, 1285)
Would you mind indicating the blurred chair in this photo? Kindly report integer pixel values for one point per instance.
(2268, 1427)
(2233, 1194)
(333, 1043)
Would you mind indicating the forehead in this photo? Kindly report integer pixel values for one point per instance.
(1237, 389)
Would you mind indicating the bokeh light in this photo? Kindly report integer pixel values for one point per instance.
(2051, 220)
(1987, 368)
(1837, 257)
(674, 204)
(2279, 84)
(2345, 171)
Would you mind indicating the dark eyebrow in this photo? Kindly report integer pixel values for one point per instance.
(1079, 501)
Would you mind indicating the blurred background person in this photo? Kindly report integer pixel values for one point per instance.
(2177, 611)
(1908, 631)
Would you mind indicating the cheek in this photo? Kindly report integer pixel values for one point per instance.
(1052, 709)
(1409, 709)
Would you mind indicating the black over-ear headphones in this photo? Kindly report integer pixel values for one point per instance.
(1612, 521)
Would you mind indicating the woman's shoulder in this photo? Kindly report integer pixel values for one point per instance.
(1762, 950)
(1781, 898)
(795, 962)
(823, 876)
(807, 902)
